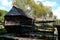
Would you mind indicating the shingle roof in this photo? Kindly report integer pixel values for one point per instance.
(16, 11)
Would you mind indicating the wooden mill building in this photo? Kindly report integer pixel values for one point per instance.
(17, 21)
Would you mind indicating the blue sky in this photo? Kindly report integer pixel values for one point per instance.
(54, 4)
(5, 4)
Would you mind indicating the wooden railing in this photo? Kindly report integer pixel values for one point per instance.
(46, 19)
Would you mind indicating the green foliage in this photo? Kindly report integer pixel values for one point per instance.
(2, 31)
(2, 14)
(37, 10)
(57, 21)
(1, 26)
(20, 4)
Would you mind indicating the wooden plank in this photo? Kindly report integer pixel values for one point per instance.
(8, 37)
(16, 38)
(12, 37)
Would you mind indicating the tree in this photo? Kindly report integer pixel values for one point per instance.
(2, 14)
(20, 4)
(37, 10)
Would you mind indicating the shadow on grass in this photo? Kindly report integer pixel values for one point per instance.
(3, 31)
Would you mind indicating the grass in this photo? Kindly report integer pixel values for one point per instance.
(2, 30)
(1, 26)
(1, 39)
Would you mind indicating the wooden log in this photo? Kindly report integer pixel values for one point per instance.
(5, 37)
(13, 37)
